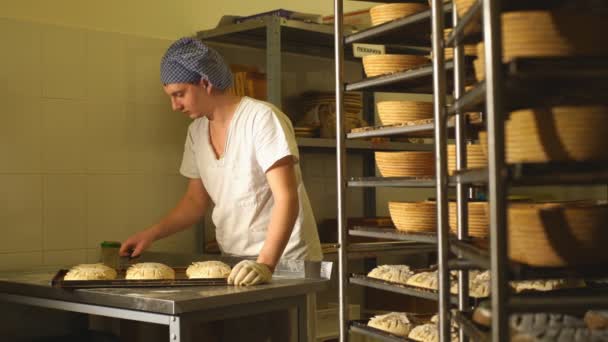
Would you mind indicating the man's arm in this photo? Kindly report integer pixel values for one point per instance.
(282, 180)
(189, 210)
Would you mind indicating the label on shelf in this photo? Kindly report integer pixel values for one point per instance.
(360, 50)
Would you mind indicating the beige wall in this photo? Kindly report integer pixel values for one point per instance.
(153, 18)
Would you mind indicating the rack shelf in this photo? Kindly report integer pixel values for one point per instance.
(361, 327)
(410, 30)
(296, 36)
(421, 130)
(532, 82)
(396, 288)
(560, 301)
(481, 258)
(405, 182)
(539, 174)
(392, 234)
(375, 249)
(471, 329)
(417, 80)
(363, 145)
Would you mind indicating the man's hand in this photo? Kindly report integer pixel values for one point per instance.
(249, 272)
(137, 243)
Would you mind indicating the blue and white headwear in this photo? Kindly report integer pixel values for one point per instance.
(189, 60)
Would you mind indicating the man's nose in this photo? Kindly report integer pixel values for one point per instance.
(175, 105)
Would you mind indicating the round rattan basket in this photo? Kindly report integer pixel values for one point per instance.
(462, 6)
(566, 133)
(478, 219)
(375, 65)
(558, 234)
(394, 112)
(384, 13)
(405, 164)
(414, 217)
(476, 158)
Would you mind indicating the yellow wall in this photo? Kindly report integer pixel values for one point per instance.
(153, 18)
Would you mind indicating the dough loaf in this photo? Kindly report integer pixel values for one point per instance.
(208, 269)
(90, 272)
(396, 323)
(150, 271)
(393, 273)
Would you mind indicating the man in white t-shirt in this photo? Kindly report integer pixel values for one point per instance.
(240, 154)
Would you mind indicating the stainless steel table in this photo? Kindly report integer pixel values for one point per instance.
(292, 286)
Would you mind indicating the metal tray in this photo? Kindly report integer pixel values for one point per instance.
(180, 280)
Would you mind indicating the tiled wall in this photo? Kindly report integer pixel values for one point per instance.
(89, 148)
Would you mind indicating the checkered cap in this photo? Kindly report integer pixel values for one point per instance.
(189, 60)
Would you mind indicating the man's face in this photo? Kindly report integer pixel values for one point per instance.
(190, 99)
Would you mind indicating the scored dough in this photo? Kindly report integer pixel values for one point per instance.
(428, 333)
(546, 284)
(394, 273)
(150, 271)
(208, 269)
(90, 272)
(395, 323)
(427, 280)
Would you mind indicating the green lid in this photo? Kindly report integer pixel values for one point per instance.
(110, 244)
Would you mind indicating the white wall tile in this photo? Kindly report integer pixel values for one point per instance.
(20, 261)
(21, 214)
(108, 209)
(66, 258)
(157, 139)
(147, 197)
(93, 255)
(65, 207)
(143, 60)
(22, 61)
(20, 134)
(64, 63)
(108, 137)
(64, 135)
(106, 67)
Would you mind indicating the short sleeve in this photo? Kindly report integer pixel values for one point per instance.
(274, 139)
(188, 167)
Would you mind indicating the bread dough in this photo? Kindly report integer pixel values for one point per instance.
(427, 280)
(428, 333)
(396, 323)
(208, 269)
(150, 271)
(479, 284)
(393, 273)
(546, 284)
(90, 272)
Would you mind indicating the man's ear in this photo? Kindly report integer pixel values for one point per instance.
(206, 85)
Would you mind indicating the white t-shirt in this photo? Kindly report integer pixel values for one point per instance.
(258, 136)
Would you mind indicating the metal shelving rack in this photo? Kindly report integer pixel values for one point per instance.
(419, 80)
(507, 86)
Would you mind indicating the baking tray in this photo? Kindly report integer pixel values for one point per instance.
(180, 280)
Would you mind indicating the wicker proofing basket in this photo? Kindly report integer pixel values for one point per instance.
(462, 6)
(405, 164)
(558, 234)
(375, 65)
(394, 112)
(476, 158)
(384, 13)
(557, 134)
(414, 217)
(478, 219)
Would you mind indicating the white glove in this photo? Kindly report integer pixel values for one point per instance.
(249, 272)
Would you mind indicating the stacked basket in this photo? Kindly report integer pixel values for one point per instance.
(414, 217)
(375, 65)
(558, 234)
(476, 158)
(383, 13)
(405, 164)
(478, 219)
(548, 34)
(395, 112)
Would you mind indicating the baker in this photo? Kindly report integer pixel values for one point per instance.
(241, 155)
